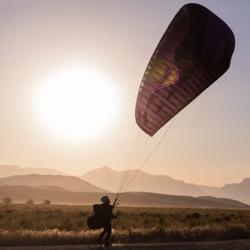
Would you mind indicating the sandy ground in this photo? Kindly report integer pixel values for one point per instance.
(209, 245)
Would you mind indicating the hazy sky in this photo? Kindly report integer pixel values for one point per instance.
(208, 142)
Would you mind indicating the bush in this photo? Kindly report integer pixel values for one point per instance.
(47, 202)
(30, 202)
(194, 215)
(7, 200)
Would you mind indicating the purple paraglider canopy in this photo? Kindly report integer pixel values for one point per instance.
(194, 52)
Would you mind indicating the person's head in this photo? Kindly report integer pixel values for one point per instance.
(105, 199)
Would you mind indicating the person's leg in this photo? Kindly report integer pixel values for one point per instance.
(101, 235)
(108, 234)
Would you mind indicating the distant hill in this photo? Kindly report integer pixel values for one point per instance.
(61, 196)
(239, 191)
(70, 183)
(223, 201)
(8, 170)
(144, 182)
(107, 178)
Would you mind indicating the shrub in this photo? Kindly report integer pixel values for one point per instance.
(7, 200)
(47, 202)
(30, 202)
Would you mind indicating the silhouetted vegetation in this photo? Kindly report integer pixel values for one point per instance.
(62, 224)
(30, 202)
(47, 202)
(7, 200)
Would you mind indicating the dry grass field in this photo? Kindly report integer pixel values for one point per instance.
(65, 224)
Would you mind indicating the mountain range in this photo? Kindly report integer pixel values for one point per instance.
(105, 180)
(139, 199)
(139, 181)
(70, 183)
(10, 170)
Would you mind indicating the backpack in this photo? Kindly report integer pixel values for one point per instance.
(95, 221)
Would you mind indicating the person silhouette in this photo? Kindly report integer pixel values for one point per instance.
(106, 214)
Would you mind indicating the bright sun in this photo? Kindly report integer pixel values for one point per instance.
(77, 103)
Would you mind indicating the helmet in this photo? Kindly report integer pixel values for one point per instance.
(105, 199)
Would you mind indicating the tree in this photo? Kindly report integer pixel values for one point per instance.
(47, 202)
(7, 200)
(30, 202)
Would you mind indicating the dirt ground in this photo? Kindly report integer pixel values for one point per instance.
(209, 245)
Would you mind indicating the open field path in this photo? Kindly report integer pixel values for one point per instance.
(204, 245)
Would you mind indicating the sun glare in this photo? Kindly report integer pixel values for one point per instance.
(77, 103)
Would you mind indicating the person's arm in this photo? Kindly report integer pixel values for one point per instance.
(112, 215)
